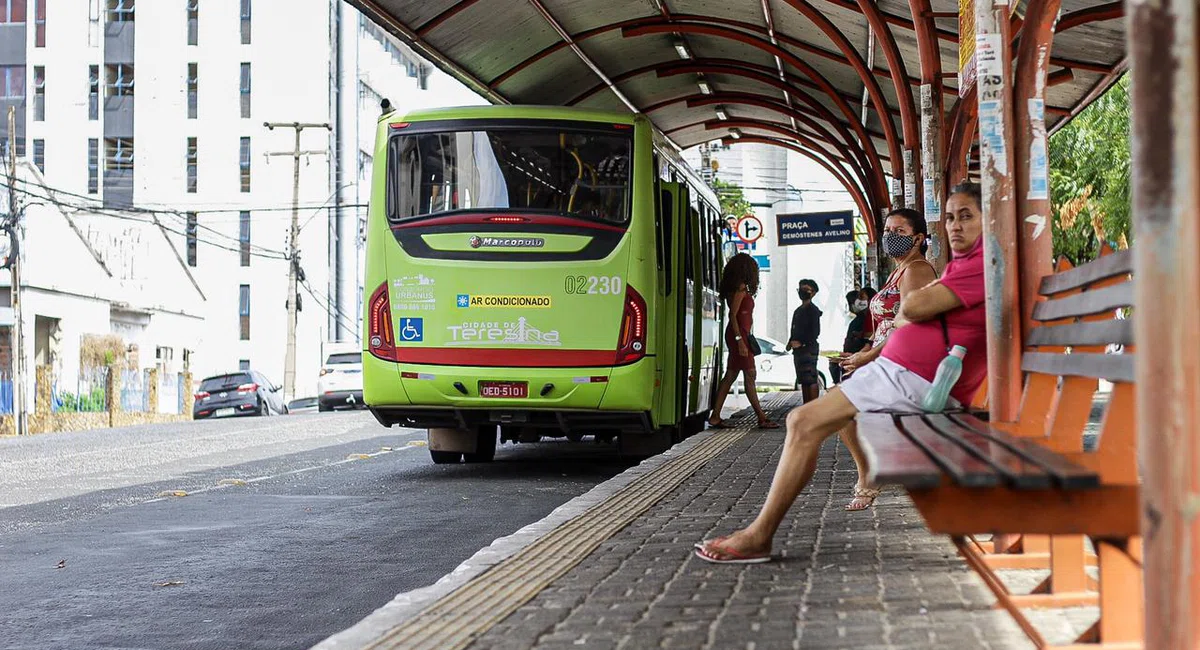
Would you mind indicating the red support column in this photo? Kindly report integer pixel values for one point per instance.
(932, 126)
(1163, 48)
(1036, 248)
(993, 56)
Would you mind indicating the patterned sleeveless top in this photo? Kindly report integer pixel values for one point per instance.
(885, 306)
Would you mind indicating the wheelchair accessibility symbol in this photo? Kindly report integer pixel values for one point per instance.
(412, 329)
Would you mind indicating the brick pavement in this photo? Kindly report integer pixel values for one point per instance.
(866, 580)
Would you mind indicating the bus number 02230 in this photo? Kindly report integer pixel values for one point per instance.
(594, 285)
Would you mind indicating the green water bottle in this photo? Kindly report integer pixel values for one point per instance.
(947, 375)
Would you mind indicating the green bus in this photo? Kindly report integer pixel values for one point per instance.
(543, 271)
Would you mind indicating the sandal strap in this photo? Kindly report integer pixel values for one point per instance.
(867, 493)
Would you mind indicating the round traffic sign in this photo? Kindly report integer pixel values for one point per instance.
(749, 229)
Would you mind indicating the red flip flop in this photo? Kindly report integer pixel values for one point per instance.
(710, 552)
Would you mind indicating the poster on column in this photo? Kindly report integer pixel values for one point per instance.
(966, 46)
(815, 228)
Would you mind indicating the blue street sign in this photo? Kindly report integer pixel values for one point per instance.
(815, 228)
(764, 262)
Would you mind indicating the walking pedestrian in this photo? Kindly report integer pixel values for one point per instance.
(739, 284)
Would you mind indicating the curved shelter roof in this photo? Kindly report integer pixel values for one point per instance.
(804, 73)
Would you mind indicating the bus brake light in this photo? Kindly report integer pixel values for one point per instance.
(631, 345)
(381, 341)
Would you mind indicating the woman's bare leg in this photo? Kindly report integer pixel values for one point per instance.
(748, 378)
(722, 394)
(807, 427)
(864, 493)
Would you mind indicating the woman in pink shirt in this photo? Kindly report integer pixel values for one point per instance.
(949, 308)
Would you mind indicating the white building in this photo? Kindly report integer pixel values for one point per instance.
(156, 112)
(777, 181)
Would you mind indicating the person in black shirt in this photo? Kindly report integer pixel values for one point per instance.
(806, 328)
(858, 334)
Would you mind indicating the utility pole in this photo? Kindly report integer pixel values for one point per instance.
(12, 225)
(289, 363)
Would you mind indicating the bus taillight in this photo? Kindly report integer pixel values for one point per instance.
(381, 340)
(631, 345)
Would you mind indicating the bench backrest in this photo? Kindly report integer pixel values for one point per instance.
(1083, 313)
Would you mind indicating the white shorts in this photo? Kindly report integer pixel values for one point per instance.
(884, 385)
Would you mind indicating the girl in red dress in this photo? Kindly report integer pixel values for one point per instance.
(739, 283)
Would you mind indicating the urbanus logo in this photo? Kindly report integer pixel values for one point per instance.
(506, 242)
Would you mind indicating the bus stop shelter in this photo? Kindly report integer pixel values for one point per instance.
(899, 100)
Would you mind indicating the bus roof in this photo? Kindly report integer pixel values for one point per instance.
(504, 111)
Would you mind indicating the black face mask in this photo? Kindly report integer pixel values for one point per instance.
(896, 245)
(805, 294)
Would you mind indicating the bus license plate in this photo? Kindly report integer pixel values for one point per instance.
(504, 389)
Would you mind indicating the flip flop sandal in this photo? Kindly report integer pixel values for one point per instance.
(719, 425)
(867, 494)
(710, 552)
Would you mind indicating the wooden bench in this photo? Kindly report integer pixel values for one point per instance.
(1033, 476)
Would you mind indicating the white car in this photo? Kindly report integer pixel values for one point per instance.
(776, 369)
(340, 384)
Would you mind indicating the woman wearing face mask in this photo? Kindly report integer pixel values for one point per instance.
(905, 239)
(946, 312)
(858, 333)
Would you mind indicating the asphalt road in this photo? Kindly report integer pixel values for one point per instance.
(292, 528)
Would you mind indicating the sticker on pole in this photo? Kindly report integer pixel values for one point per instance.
(749, 229)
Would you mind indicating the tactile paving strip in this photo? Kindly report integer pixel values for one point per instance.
(462, 616)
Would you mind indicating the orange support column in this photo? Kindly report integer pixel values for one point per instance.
(993, 56)
(1036, 249)
(1163, 48)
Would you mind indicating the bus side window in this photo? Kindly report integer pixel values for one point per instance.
(689, 264)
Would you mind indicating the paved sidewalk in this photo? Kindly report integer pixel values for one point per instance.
(873, 579)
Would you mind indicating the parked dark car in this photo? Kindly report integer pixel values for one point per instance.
(238, 393)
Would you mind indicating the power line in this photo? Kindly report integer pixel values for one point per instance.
(231, 210)
(266, 254)
(323, 303)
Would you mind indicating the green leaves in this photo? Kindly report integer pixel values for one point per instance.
(733, 200)
(1090, 171)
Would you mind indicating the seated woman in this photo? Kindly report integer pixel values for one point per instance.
(947, 312)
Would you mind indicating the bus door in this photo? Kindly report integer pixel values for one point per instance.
(694, 310)
(671, 236)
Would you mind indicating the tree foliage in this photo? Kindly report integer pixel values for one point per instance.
(733, 199)
(1090, 178)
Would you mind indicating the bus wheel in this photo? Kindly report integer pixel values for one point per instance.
(445, 457)
(485, 446)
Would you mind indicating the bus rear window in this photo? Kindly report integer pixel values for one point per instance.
(528, 170)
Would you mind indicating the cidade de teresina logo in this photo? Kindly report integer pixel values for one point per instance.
(476, 241)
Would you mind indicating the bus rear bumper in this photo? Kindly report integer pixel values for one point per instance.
(566, 421)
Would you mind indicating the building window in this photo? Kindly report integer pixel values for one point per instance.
(365, 164)
(244, 163)
(93, 92)
(120, 11)
(39, 23)
(39, 93)
(192, 158)
(193, 226)
(119, 80)
(193, 20)
(193, 89)
(245, 22)
(244, 311)
(93, 165)
(118, 154)
(244, 365)
(12, 80)
(12, 11)
(244, 237)
(245, 89)
(39, 154)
